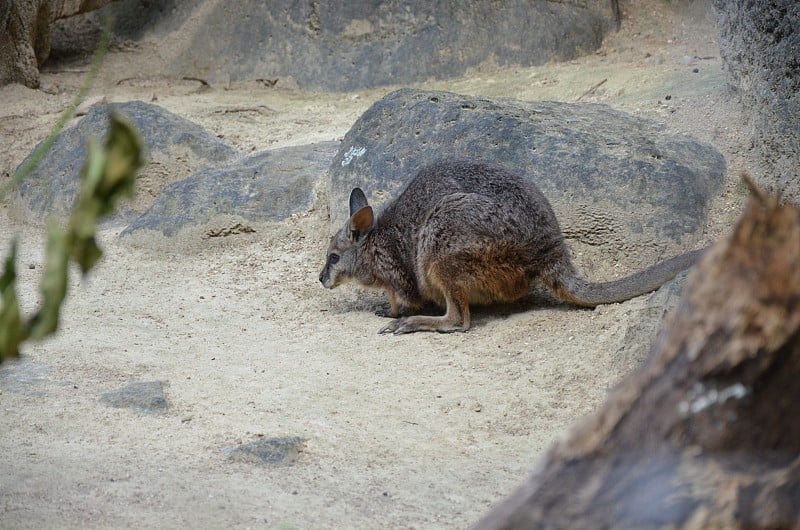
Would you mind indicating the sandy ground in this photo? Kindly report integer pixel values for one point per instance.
(420, 431)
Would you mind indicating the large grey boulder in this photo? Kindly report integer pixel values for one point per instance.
(189, 177)
(760, 45)
(642, 330)
(616, 182)
(25, 34)
(336, 45)
(175, 148)
(267, 186)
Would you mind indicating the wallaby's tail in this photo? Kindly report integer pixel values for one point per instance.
(574, 289)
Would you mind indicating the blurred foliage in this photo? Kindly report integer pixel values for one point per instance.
(108, 175)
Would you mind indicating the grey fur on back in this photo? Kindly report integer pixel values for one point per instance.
(468, 232)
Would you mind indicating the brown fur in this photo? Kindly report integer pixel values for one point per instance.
(466, 233)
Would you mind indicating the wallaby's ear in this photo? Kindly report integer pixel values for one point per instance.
(357, 200)
(361, 222)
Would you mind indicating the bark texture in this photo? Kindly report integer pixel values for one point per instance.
(25, 35)
(704, 435)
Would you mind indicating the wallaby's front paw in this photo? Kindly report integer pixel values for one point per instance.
(392, 326)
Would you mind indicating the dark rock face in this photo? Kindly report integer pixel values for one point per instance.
(336, 45)
(760, 45)
(612, 179)
(175, 147)
(266, 186)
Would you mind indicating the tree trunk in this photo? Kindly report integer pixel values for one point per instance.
(25, 34)
(704, 435)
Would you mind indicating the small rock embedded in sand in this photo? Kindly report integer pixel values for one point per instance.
(143, 396)
(267, 451)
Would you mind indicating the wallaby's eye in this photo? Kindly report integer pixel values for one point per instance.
(333, 259)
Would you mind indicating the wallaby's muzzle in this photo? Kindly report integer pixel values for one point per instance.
(325, 279)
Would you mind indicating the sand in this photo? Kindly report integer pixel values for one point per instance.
(418, 431)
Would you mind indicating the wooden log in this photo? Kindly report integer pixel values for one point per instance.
(706, 434)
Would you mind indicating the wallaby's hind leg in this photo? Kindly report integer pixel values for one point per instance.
(456, 318)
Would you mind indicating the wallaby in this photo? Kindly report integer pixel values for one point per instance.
(465, 232)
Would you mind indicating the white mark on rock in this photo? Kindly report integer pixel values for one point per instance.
(702, 398)
(353, 152)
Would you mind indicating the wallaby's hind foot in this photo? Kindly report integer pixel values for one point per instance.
(442, 324)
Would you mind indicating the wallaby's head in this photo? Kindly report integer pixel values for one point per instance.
(344, 251)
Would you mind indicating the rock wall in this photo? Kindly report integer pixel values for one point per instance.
(760, 44)
(345, 45)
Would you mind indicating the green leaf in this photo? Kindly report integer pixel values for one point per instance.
(86, 253)
(124, 151)
(108, 175)
(84, 217)
(53, 285)
(12, 331)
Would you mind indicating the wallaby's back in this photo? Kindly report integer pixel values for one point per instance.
(499, 206)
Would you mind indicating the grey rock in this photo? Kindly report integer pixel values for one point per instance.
(267, 451)
(614, 180)
(760, 46)
(644, 327)
(335, 45)
(21, 376)
(175, 147)
(145, 397)
(267, 186)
